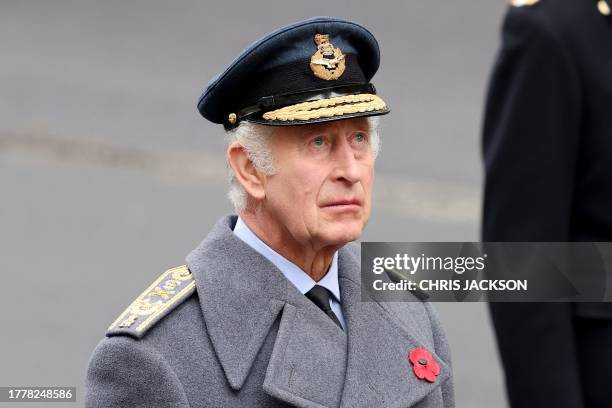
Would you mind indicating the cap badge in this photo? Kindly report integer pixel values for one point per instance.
(328, 62)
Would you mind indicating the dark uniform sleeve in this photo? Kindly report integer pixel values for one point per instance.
(531, 131)
(530, 145)
(123, 372)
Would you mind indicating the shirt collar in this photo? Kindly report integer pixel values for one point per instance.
(300, 279)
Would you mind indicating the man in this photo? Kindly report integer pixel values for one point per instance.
(268, 310)
(548, 161)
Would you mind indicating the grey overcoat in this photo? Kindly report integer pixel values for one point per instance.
(232, 331)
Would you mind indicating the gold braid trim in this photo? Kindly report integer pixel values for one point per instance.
(325, 108)
(171, 287)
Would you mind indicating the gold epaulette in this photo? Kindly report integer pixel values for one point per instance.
(167, 292)
(604, 8)
(522, 3)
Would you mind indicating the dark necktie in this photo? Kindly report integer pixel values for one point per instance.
(320, 297)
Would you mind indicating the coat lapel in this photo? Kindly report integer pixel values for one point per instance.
(242, 295)
(379, 341)
(308, 363)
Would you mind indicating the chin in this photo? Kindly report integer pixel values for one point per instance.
(343, 232)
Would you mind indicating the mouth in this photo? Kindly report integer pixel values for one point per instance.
(351, 204)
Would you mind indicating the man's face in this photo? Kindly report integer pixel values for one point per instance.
(321, 191)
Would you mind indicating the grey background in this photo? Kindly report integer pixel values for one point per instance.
(108, 176)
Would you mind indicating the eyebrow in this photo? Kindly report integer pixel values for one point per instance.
(320, 127)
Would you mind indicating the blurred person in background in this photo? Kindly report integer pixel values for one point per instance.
(547, 140)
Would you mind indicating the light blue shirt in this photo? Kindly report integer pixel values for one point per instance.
(300, 279)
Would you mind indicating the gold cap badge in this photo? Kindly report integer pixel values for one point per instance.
(328, 62)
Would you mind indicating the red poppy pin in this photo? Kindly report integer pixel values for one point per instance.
(424, 365)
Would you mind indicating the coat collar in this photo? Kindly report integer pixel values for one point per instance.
(242, 295)
(292, 272)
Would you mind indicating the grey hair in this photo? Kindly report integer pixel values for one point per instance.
(255, 139)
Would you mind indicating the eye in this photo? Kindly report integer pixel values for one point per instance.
(318, 141)
(360, 139)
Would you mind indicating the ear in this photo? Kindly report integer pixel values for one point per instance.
(247, 175)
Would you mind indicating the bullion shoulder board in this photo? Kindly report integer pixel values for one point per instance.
(167, 292)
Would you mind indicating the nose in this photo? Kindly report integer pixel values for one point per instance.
(346, 163)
